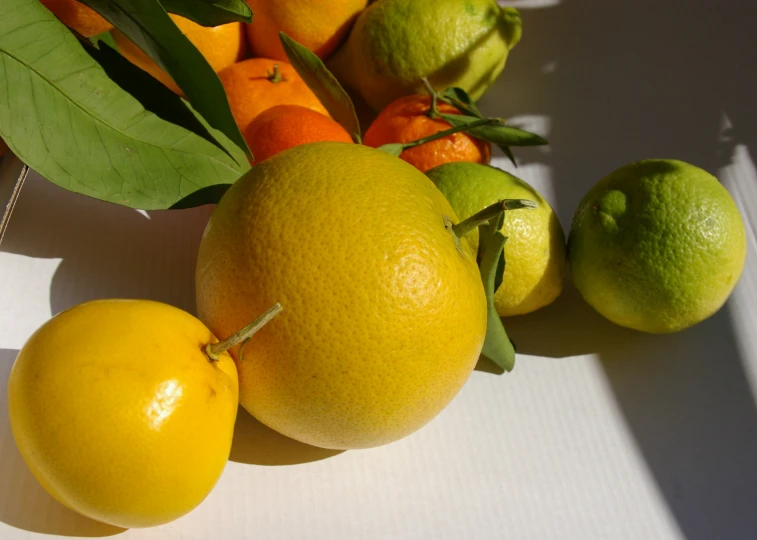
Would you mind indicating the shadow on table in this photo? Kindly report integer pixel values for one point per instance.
(130, 256)
(257, 444)
(622, 81)
(24, 504)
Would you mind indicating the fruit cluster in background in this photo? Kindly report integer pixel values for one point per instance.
(390, 275)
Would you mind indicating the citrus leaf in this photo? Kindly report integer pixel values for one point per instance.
(499, 134)
(323, 84)
(497, 346)
(459, 98)
(105, 37)
(210, 12)
(509, 153)
(64, 111)
(147, 24)
(394, 149)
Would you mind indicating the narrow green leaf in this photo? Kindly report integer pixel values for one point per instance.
(499, 134)
(509, 153)
(460, 99)
(65, 112)
(210, 12)
(394, 149)
(497, 346)
(323, 84)
(147, 24)
(105, 37)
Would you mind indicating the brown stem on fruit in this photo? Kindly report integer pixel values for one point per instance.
(276, 76)
(215, 350)
(489, 213)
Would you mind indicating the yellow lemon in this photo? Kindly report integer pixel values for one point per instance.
(384, 313)
(535, 249)
(657, 246)
(120, 414)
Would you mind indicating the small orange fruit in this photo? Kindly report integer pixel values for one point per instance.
(319, 25)
(406, 120)
(287, 126)
(257, 84)
(220, 45)
(78, 16)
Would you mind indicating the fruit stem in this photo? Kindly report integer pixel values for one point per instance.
(450, 131)
(215, 350)
(275, 77)
(489, 213)
(433, 112)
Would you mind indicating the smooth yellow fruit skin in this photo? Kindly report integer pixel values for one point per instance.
(395, 43)
(535, 249)
(119, 414)
(657, 246)
(319, 25)
(384, 318)
(221, 46)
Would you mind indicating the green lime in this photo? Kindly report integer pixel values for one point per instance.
(395, 43)
(535, 249)
(657, 246)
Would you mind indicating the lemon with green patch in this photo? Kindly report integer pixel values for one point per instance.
(535, 248)
(394, 43)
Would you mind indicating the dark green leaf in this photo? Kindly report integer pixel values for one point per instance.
(499, 274)
(497, 346)
(323, 84)
(460, 99)
(509, 153)
(69, 118)
(499, 134)
(394, 149)
(105, 37)
(148, 25)
(210, 12)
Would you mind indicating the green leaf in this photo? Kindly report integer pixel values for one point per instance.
(66, 112)
(147, 24)
(105, 37)
(323, 84)
(459, 98)
(394, 149)
(509, 153)
(210, 12)
(497, 346)
(499, 134)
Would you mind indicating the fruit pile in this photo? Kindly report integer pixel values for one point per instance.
(346, 283)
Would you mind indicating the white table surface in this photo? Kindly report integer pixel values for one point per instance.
(600, 432)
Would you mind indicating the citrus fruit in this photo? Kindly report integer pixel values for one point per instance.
(657, 246)
(119, 413)
(257, 84)
(78, 16)
(395, 43)
(384, 314)
(221, 46)
(405, 120)
(535, 249)
(319, 25)
(286, 126)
